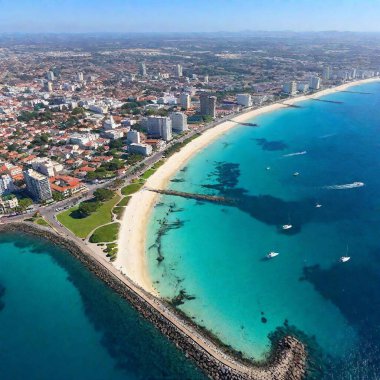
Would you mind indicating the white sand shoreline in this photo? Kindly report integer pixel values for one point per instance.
(132, 237)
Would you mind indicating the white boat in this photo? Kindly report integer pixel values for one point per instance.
(287, 226)
(318, 205)
(345, 186)
(295, 154)
(268, 167)
(358, 184)
(344, 259)
(296, 174)
(270, 255)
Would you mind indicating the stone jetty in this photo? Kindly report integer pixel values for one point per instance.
(201, 197)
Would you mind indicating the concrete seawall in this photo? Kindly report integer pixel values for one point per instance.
(288, 359)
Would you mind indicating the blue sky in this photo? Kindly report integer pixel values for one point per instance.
(187, 15)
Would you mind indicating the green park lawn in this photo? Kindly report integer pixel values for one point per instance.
(42, 222)
(105, 233)
(132, 188)
(81, 227)
(148, 173)
(124, 202)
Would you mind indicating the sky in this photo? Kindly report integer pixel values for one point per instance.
(41, 16)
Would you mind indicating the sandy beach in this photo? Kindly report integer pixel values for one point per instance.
(131, 259)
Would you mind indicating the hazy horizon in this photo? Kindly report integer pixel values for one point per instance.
(164, 16)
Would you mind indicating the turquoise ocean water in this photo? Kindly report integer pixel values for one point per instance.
(216, 253)
(58, 321)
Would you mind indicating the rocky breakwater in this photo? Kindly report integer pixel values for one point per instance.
(288, 359)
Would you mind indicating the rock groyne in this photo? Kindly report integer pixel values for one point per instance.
(288, 359)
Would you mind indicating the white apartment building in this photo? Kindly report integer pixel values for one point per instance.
(179, 121)
(315, 83)
(8, 204)
(46, 166)
(290, 88)
(133, 137)
(244, 100)
(144, 149)
(302, 87)
(179, 71)
(185, 100)
(38, 185)
(50, 76)
(159, 127)
(6, 184)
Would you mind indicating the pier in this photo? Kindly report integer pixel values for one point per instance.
(247, 124)
(327, 101)
(200, 197)
(357, 92)
(291, 105)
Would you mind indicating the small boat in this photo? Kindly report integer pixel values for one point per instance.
(346, 258)
(296, 174)
(270, 255)
(268, 167)
(318, 205)
(287, 226)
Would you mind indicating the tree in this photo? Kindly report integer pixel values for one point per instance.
(134, 158)
(57, 196)
(103, 195)
(24, 203)
(87, 208)
(113, 165)
(78, 111)
(116, 144)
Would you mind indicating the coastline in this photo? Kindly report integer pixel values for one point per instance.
(132, 259)
(288, 355)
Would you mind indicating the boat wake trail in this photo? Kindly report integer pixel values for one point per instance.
(344, 187)
(295, 154)
(327, 136)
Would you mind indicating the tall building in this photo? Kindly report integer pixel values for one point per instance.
(46, 166)
(143, 69)
(302, 87)
(208, 105)
(6, 184)
(109, 124)
(290, 88)
(205, 79)
(80, 77)
(38, 185)
(179, 71)
(159, 126)
(315, 83)
(185, 100)
(50, 76)
(133, 137)
(144, 149)
(179, 121)
(326, 73)
(49, 86)
(244, 100)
